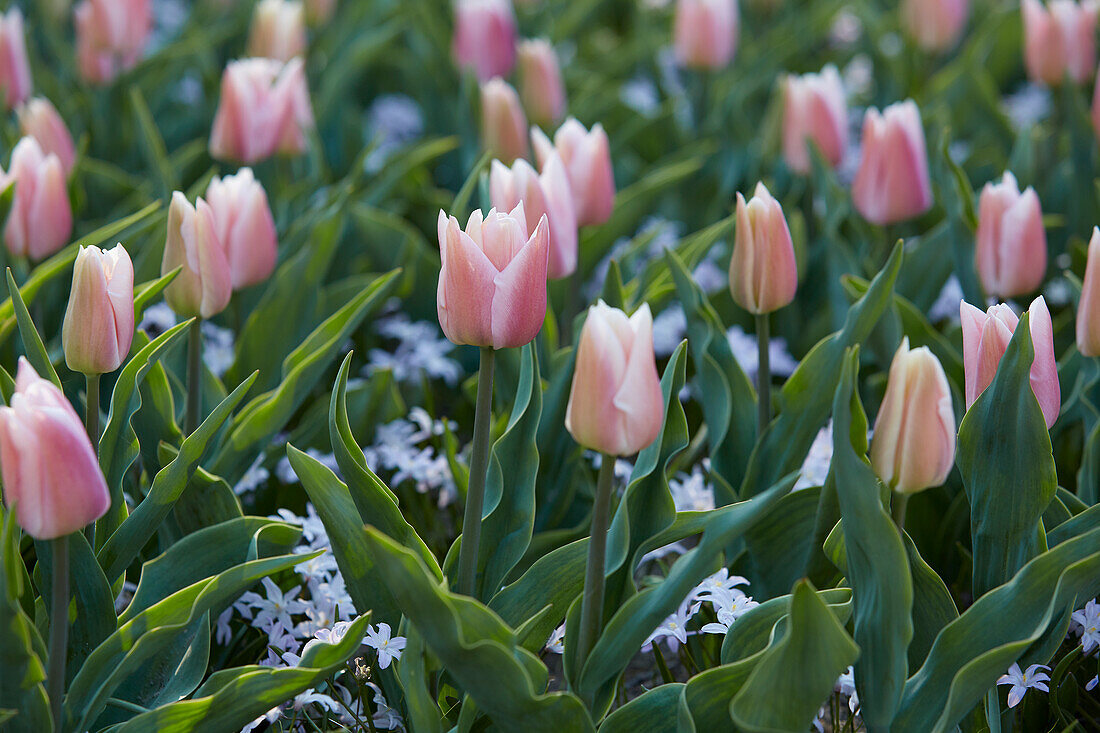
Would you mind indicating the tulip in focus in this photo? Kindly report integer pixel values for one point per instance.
(541, 87)
(244, 226)
(99, 320)
(264, 110)
(485, 37)
(587, 158)
(51, 474)
(39, 119)
(492, 287)
(615, 404)
(1059, 39)
(204, 285)
(41, 218)
(15, 69)
(1088, 310)
(278, 30)
(985, 338)
(503, 125)
(763, 273)
(814, 109)
(913, 447)
(704, 33)
(934, 24)
(892, 183)
(1012, 244)
(547, 195)
(111, 36)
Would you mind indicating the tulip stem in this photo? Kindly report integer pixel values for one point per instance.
(479, 464)
(763, 376)
(91, 412)
(592, 600)
(59, 626)
(901, 502)
(194, 377)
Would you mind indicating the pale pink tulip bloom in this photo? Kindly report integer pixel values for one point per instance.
(503, 124)
(546, 194)
(935, 25)
(204, 285)
(278, 30)
(763, 272)
(99, 320)
(15, 68)
(704, 33)
(41, 218)
(892, 184)
(40, 120)
(111, 36)
(1011, 250)
(814, 110)
(587, 158)
(541, 87)
(485, 37)
(1088, 309)
(244, 226)
(1059, 39)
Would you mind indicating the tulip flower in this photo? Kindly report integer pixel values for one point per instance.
(1088, 309)
(99, 320)
(111, 36)
(541, 87)
(492, 286)
(503, 125)
(546, 194)
(41, 218)
(704, 33)
(985, 338)
(913, 447)
(39, 119)
(204, 285)
(15, 69)
(892, 183)
(278, 30)
(244, 226)
(485, 37)
(51, 475)
(587, 158)
(814, 109)
(1012, 245)
(319, 12)
(934, 24)
(1059, 39)
(264, 110)
(763, 273)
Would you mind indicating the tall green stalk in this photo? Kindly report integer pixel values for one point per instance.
(479, 465)
(763, 375)
(59, 627)
(901, 502)
(91, 413)
(592, 600)
(194, 377)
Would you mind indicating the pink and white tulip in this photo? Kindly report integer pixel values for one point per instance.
(503, 124)
(41, 218)
(704, 33)
(587, 158)
(204, 285)
(39, 119)
(99, 320)
(892, 183)
(111, 36)
(15, 68)
(546, 194)
(244, 226)
(935, 25)
(541, 87)
(485, 37)
(1059, 39)
(763, 272)
(1088, 309)
(814, 109)
(1011, 252)
(278, 30)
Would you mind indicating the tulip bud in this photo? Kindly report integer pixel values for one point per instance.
(934, 24)
(985, 338)
(51, 475)
(913, 447)
(492, 287)
(99, 320)
(204, 285)
(763, 273)
(264, 109)
(541, 87)
(615, 403)
(1012, 244)
(41, 218)
(278, 30)
(587, 158)
(503, 126)
(892, 182)
(111, 36)
(704, 33)
(15, 69)
(244, 226)
(40, 120)
(1088, 310)
(546, 195)
(1059, 39)
(320, 12)
(814, 109)
(485, 37)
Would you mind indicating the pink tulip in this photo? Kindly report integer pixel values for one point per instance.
(111, 36)
(541, 87)
(615, 404)
(245, 227)
(814, 109)
(1012, 244)
(763, 273)
(704, 33)
(934, 24)
(39, 119)
(278, 30)
(51, 475)
(913, 447)
(1059, 39)
(492, 288)
(587, 158)
(204, 285)
(485, 37)
(985, 338)
(15, 69)
(503, 125)
(892, 183)
(41, 218)
(1088, 310)
(546, 195)
(99, 320)
(264, 110)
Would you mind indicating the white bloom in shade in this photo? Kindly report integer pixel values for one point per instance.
(1032, 677)
(277, 607)
(728, 607)
(692, 493)
(312, 697)
(816, 466)
(1092, 683)
(556, 642)
(719, 583)
(674, 628)
(846, 685)
(1088, 619)
(388, 648)
(269, 717)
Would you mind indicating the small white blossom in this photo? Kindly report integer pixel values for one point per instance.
(846, 685)
(816, 466)
(556, 642)
(277, 606)
(388, 647)
(218, 349)
(1031, 678)
(674, 629)
(691, 492)
(1087, 623)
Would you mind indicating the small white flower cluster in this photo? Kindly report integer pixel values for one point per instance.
(393, 120)
(219, 344)
(402, 450)
(845, 685)
(420, 350)
(690, 493)
(816, 465)
(1086, 624)
(746, 352)
(727, 601)
(1031, 678)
